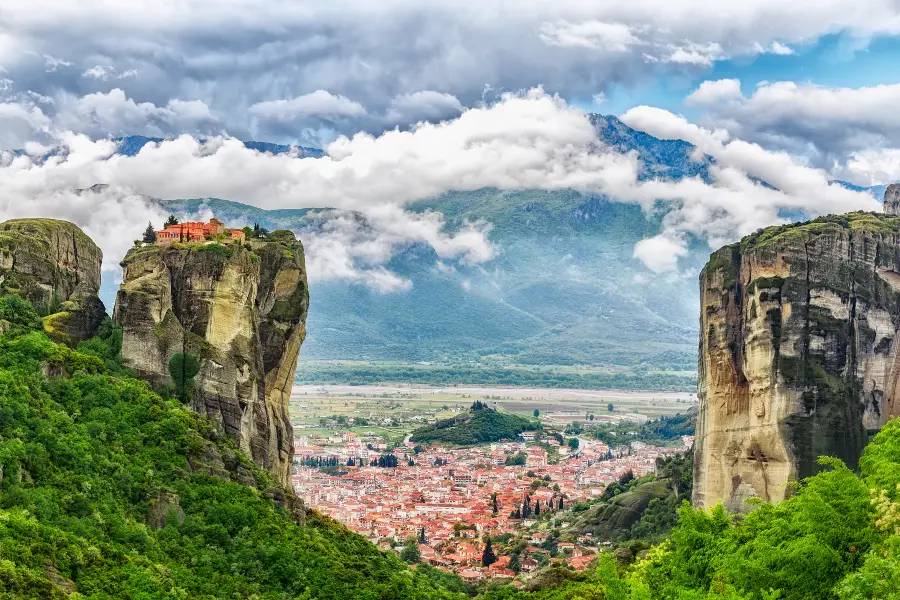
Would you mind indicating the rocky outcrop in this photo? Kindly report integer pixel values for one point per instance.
(55, 266)
(240, 311)
(892, 200)
(797, 354)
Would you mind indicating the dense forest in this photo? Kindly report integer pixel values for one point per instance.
(111, 491)
(481, 424)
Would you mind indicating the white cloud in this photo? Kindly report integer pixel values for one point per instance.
(114, 113)
(525, 141)
(827, 123)
(238, 54)
(660, 253)
(426, 105)
(734, 204)
(871, 167)
(101, 72)
(593, 34)
(105, 72)
(319, 103)
(714, 92)
(697, 54)
(780, 49)
(52, 64)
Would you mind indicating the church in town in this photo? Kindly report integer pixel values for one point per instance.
(196, 231)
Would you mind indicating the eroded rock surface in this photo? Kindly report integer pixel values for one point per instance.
(55, 266)
(241, 310)
(797, 353)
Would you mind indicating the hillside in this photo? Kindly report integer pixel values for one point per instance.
(643, 509)
(837, 538)
(479, 425)
(110, 491)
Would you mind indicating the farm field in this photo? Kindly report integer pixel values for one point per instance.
(393, 411)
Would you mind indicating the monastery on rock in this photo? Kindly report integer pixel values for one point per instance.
(196, 231)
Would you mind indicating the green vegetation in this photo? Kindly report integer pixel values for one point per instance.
(481, 424)
(838, 537)
(149, 236)
(806, 230)
(522, 376)
(643, 509)
(663, 431)
(220, 250)
(111, 491)
(410, 553)
(183, 367)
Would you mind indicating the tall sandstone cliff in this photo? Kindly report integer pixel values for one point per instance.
(55, 266)
(797, 353)
(241, 310)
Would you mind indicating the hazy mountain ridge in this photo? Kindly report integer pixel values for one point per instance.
(563, 289)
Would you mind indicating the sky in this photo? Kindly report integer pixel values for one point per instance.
(412, 99)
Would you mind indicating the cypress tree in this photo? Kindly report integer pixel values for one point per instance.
(488, 558)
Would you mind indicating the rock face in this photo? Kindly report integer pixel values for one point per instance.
(892, 200)
(55, 266)
(241, 311)
(797, 354)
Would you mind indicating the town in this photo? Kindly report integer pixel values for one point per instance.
(450, 500)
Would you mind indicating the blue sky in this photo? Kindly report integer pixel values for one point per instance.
(832, 60)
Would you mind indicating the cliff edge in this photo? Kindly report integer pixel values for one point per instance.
(221, 326)
(797, 353)
(56, 267)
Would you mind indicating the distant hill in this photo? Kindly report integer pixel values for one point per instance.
(479, 425)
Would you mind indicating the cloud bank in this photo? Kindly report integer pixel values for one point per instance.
(532, 140)
(853, 131)
(238, 54)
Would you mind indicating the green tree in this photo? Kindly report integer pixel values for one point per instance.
(515, 564)
(488, 557)
(183, 367)
(149, 234)
(572, 443)
(610, 407)
(410, 553)
(536, 413)
(171, 221)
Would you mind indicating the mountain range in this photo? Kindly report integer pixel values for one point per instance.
(563, 289)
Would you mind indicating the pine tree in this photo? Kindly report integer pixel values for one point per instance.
(488, 557)
(537, 508)
(149, 234)
(560, 503)
(171, 221)
(422, 535)
(495, 508)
